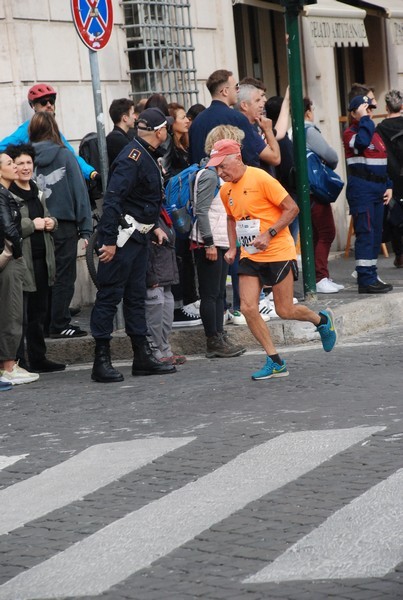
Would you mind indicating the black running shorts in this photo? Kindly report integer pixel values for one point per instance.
(269, 273)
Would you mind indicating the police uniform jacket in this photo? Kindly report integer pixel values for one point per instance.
(366, 163)
(134, 188)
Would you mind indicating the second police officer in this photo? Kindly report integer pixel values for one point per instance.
(131, 209)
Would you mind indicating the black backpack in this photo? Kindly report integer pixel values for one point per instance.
(89, 151)
(396, 145)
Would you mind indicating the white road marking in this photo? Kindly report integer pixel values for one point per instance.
(363, 539)
(114, 553)
(76, 477)
(6, 461)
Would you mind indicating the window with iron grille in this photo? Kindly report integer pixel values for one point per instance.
(160, 49)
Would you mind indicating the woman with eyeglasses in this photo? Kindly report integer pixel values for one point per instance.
(323, 226)
(11, 280)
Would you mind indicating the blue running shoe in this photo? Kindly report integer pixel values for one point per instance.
(271, 369)
(327, 332)
(5, 386)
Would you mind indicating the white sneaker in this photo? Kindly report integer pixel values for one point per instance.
(238, 319)
(264, 309)
(228, 317)
(325, 286)
(193, 308)
(272, 313)
(18, 375)
(338, 285)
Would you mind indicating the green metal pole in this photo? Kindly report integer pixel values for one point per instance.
(297, 116)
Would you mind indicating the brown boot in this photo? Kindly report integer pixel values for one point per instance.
(216, 348)
(228, 342)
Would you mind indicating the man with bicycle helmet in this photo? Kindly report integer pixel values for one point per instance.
(42, 98)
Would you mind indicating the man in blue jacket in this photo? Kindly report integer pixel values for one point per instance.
(42, 97)
(224, 93)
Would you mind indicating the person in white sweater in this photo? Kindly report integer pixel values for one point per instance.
(209, 242)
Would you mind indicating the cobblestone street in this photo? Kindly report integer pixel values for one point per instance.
(206, 484)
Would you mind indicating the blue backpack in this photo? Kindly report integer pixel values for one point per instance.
(324, 183)
(179, 199)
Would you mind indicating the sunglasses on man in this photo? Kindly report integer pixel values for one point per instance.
(44, 101)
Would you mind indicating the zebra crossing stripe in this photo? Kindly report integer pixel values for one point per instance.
(363, 539)
(109, 556)
(78, 476)
(7, 461)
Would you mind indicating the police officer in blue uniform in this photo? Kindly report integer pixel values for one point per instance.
(368, 190)
(131, 209)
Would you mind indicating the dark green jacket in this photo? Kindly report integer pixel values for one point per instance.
(28, 228)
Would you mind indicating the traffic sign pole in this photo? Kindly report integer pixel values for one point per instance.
(93, 20)
(99, 115)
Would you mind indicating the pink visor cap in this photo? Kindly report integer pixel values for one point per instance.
(221, 149)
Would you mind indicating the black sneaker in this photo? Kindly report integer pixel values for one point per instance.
(375, 288)
(184, 318)
(47, 366)
(72, 331)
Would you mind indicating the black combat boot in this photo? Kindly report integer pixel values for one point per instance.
(144, 362)
(103, 371)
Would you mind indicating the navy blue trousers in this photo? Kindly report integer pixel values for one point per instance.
(122, 278)
(368, 225)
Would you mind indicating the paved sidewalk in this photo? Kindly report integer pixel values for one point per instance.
(354, 313)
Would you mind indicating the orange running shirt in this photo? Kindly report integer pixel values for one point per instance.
(257, 195)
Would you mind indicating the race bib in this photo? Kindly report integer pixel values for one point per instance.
(246, 232)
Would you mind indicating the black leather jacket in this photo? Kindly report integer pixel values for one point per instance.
(10, 222)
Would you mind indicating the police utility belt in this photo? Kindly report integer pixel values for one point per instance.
(127, 226)
(362, 174)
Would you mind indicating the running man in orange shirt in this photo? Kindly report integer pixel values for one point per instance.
(259, 211)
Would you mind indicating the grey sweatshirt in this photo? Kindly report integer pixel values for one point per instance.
(317, 143)
(58, 176)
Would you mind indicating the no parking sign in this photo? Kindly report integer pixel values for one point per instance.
(94, 21)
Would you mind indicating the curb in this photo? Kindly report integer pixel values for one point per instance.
(351, 318)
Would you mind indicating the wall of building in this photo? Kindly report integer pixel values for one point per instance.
(38, 42)
(214, 41)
